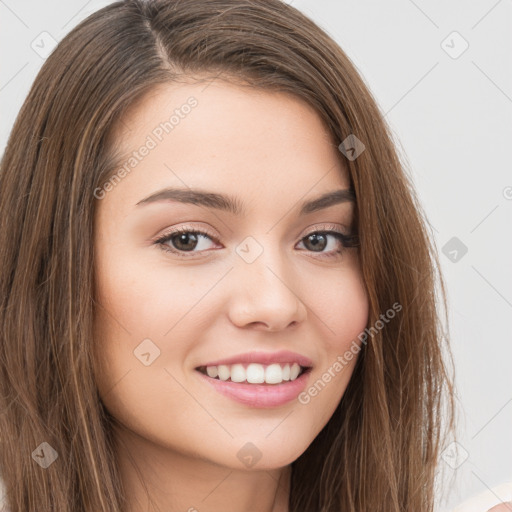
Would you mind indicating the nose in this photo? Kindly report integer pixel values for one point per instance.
(263, 295)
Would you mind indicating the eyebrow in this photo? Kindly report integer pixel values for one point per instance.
(234, 206)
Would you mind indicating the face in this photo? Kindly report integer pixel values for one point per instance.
(256, 289)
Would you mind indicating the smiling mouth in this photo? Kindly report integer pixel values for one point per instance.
(254, 373)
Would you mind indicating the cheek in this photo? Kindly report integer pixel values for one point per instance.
(137, 297)
(348, 310)
(134, 367)
(342, 306)
(342, 311)
(140, 313)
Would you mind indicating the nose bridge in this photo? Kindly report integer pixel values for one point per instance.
(265, 285)
(261, 261)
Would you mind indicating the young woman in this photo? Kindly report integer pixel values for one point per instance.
(218, 291)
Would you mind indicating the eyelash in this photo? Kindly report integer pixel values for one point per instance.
(346, 240)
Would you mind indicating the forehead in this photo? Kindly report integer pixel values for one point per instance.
(227, 137)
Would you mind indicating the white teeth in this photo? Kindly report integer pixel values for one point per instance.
(237, 373)
(294, 371)
(212, 371)
(255, 373)
(224, 372)
(274, 374)
(286, 372)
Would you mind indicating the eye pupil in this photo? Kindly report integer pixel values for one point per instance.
(314, 239)
(183, 238)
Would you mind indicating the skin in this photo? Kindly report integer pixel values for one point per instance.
(272, 152)
(502, 507)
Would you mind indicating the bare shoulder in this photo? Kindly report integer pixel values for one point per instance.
(502, 507)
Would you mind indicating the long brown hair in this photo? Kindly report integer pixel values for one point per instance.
(380, 449)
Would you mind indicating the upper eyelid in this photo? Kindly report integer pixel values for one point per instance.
(322, 227)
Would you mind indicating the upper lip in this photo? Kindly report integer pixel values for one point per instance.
(266, 358)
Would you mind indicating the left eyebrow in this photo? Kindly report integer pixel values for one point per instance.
(326, 200)
(234, 206)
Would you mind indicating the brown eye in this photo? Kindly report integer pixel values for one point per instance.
(184, 241)
(317, 241)
(187, 242)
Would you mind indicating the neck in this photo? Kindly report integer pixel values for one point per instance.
(158, 478)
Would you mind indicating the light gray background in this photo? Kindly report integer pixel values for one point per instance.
(452, 118)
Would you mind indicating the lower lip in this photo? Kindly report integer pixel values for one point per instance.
(259, 395)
